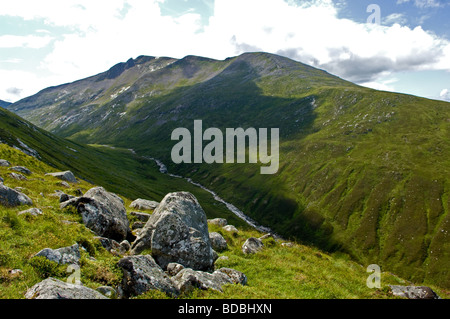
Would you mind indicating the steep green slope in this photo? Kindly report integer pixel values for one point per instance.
(118, 170)
(278, 271)
(361, 170)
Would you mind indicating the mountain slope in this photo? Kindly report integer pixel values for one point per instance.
(363, 171)
(4, 104)
(118, 170)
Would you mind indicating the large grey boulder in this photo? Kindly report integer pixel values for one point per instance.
(177, 232)
(142, 274)
(218, 243)
(104, 213)
(12, 198)
(63, 256)
(52, 288)
(144, 204)
(252, 246)
(413, 292)
(65, 176)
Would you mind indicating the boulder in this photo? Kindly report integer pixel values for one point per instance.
(252, 246)
(103, 212)
(17, 177)
(21, 169)
(63, 256)
(65, 176)
(10, 197)
(142, 274)
(218, 243)
(52, 288)
(413, 292)
(4, 163)
(177, 232)
(143, 217)
(64, 197)
(221, 222)
(31, 211)
(236, 277)
(144, 204)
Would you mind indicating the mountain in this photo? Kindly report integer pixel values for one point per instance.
(4, 104)
(362, 171)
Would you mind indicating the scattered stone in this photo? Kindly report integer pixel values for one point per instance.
(65, 176)
(287, 244)
(236, 277)
(177, 232)
(21, 169)
(252, 246)
(143, 217)
(144, 204)
(4, 163)
(63, 184)
(63, 256)
(223, 258)
(1, 180)
(52, 288)
(12, 198)
(64, 197)
(124, 247)
(412, 292)
(71, 202)
(107, 291)
(31, 211)
(218, 243)
(141, 274)
(15, 272)
(173, 269)
(230, 228)
(266, 236)
(17, 177)
(221, 222)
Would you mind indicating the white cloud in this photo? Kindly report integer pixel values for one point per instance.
(29, 41)
(445, 95)
(423, 3)
(311, 32)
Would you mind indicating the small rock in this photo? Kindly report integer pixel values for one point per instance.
(4, 163)
(64, 197)
(1, 180)
(236, 277)
(252, 246)
(287, 244)
(143, 217)
(266, 236)
(230, 228)
(65, 176)
(221, 222)
(31, 211)
(412, 292)
(17, 176)
(137, 225)
(173, 269)
(15, 272)
(218, 243)
(52, 288)
(63, 184)
(107, 292)
(223, 258)
(21, 169)
(124, 246)
(144, 204)
(187, 280)
(12, 198)
(63, 256)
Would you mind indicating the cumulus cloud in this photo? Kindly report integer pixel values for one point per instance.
(107, 32)
(445, 95)
(423, 3)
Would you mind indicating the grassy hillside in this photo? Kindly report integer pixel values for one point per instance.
(361, 171)
(276, 272)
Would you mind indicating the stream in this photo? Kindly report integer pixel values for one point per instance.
(231, 207)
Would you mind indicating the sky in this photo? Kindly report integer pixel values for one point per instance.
(393, 45)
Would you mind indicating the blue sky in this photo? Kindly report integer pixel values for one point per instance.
(50, 42)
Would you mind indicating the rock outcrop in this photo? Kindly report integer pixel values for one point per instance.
(4, 163)
(177, 232)
(413, 292)
(52, 288)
